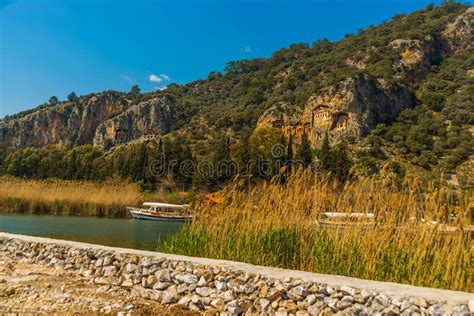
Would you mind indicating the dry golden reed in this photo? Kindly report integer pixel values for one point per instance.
(83, 198)
(68, 197)
(417, 237)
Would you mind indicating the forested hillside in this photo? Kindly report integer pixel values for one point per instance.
(399, 94)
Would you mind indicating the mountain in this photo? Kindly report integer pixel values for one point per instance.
(392, 90)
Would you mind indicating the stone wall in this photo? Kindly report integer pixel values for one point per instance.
(224, 287)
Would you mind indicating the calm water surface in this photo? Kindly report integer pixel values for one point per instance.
(127, 233)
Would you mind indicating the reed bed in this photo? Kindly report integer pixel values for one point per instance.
(276, 225)
(62, 197)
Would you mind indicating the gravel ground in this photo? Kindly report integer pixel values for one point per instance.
(31, 289)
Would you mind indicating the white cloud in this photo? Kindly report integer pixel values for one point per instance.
(158, 78)
(154, 78)
(246, 49)
(165, 77)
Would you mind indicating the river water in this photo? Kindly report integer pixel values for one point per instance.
(127, 233)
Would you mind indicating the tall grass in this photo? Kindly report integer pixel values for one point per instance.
(275, 225)
(67, 197)
(84, 198)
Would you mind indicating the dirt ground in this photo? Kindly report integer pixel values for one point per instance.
(30, 289)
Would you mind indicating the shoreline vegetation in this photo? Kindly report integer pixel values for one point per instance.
(417, 236)
(276, 225)
(77, 198)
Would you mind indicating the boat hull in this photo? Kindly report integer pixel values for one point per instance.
(140, 215)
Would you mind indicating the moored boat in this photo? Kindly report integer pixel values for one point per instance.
(162, 212)
(338, 219)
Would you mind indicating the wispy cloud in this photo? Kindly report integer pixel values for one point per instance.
(161, 88)
(165, 77)
(246, 49)
(127, 78)
(158, 78)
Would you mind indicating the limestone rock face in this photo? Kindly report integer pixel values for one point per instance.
(416, 54)
(280, 115)
(359, 103)
(357, 62)
(66, 123)
(352, 109)
(460, 33)
(145, 119)
(92, 120)
(355, 108)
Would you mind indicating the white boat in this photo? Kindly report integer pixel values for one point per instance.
(334, 219)
(162, 212)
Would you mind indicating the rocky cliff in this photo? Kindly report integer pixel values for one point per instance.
(345, 88)
(460, 33)
(105, 117)
(149, 119)
(352, 109)
(356, 105)
(67, 123)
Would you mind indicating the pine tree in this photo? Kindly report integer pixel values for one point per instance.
(325, 154)
(135, 89)
(222, 148)
(72, 96)
(289, 149)
(289, 154)
(53, 100)
(222, 159)
(341, 163)
(159, 164)
(160, 146)
(144, 159)
(304, 152)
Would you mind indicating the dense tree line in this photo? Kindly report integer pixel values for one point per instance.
(168, 162)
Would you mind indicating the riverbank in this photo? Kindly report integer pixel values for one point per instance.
(205, 285)
(59, 197)
(76, 198)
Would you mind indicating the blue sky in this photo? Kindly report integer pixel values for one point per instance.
(50, 47)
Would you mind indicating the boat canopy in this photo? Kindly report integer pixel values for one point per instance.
(353, 215)
(166, 205)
